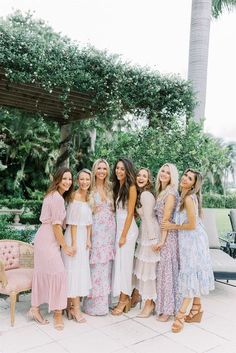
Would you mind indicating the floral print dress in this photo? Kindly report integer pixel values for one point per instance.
(168, 299)
(101, 257)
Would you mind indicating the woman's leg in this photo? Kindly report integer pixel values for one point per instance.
(178, 323)
(58, 320)
(195, 314)
(122, 306)
(75, 310)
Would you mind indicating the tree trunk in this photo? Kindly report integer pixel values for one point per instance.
(63, 159)
(198, 52)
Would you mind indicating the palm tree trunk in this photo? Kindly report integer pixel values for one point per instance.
(198, 52)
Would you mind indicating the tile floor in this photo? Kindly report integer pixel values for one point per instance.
(124, 334)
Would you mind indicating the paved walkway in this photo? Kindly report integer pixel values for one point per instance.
(124, 334)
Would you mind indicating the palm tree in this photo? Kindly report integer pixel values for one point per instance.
(202, 11)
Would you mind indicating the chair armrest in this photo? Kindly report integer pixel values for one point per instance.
(3, 277)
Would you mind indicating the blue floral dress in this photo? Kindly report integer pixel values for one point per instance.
(196, 276)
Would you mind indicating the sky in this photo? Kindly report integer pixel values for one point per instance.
(152, 33)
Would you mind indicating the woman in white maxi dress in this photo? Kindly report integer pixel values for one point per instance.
(125, 195)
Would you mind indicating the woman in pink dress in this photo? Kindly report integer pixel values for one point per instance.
(103, 240)
(168, 267)
(49, 277)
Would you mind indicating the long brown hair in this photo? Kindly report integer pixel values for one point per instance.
(57, 178)
(147, 187)
(195, 190)
(121, 193)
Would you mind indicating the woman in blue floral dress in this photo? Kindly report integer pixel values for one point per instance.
(196, 276)
(103, 240)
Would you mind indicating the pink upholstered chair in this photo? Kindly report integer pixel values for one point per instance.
(16, 274)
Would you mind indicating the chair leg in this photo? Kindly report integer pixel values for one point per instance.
(13, 296)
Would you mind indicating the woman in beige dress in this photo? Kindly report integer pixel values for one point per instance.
(145, 258)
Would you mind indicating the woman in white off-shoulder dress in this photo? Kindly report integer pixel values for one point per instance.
(77, 234)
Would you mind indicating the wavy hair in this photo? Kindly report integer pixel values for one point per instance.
(174, 178)
(195, 190)
(147, 187)
(107, 184)
(121, 192)
(57, 178)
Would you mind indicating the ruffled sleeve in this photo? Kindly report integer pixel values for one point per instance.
(72, 214)
(148, 204)
(58, 211)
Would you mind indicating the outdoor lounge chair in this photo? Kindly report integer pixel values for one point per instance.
(231, 236)
(224, 266)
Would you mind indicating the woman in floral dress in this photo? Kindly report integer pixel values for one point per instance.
(168, 266)
(103, 239)
(196, 276)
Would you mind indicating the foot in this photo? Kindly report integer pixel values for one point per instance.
(147, 311)
(35, 315)
(58, 321)
(77, 315)
(122, 306)
(135, 299)
(163, 318)
(178, 324)
(195, 314)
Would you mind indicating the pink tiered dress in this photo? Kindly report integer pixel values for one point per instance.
(49, 283)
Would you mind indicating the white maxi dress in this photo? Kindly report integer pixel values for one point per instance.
(77, 267)
(124, 256)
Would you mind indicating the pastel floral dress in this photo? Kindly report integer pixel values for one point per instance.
(101, 257)
(196, 276)
(168, 300)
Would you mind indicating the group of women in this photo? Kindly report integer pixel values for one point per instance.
(103, 255)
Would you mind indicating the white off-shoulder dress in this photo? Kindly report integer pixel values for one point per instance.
(145, 267)
(77, 267)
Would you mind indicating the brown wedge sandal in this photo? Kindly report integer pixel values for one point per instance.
(178, 324)
(195, 314)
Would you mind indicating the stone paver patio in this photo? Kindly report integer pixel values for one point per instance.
(124, 334)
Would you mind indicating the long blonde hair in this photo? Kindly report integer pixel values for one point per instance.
(196, 189)
(174, 178)
(107, 184)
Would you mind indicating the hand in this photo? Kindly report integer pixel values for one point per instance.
(74, 247)
(166, 225)
(157, 247)
(88, 244)
(122, 241)
(68, 250)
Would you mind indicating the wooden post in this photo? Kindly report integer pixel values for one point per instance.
(63, 159)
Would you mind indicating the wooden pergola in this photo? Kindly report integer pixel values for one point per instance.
(32, 98)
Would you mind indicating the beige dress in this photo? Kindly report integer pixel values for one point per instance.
(145, 258)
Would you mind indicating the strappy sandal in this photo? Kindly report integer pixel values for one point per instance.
(77, 315)
(135, 299)
(179, 322)
(122, 307)
(34, 314)
(58, 321)
(195, 314)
